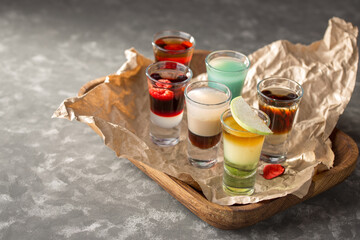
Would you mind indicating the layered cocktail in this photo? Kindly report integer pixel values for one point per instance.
(166, 82)
(242, 147)
(173, 46)
(279, 98)
(228, 67)
(206, 101)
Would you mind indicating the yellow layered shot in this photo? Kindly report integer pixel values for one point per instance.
(241, 147)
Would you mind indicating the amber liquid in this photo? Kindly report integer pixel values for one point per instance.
(204, 142)
(174, 49)
(280, 110)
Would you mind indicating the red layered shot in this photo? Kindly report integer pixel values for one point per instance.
(174, 49)
(167, 100)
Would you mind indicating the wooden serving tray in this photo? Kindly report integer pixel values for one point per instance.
(238, 216)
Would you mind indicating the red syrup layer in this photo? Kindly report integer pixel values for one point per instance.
(173, 114)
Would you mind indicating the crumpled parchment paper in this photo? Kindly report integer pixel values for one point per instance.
(118, 110)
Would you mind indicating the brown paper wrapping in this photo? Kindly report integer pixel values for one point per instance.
(118, 110)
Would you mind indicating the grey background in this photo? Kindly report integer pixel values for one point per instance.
(57, 178)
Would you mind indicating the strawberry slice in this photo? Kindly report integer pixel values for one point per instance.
(186, 44)
(161, 94)
(272, 171)
(162, 83)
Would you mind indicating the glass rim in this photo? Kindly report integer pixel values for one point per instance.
(207, 62)
(246, 131)
(279, 100)
(208, 104)
(188, 70)
(174, 33)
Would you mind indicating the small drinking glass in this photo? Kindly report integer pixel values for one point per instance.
(242, 151)
(174, 46)
(279, 98)
(205, 102)
(166, 82)
(228, 67)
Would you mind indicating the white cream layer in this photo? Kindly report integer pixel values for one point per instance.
(166, 122)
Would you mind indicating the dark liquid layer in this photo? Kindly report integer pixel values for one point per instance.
(280, 94)
(175, 50)
(167, 108)
(173, 103)
(281, 114)
(204, 142)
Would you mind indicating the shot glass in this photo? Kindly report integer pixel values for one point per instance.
(166, 82)
(205, 102)
(228, 67)
(242, 151)
(173, 46)
(279, 98)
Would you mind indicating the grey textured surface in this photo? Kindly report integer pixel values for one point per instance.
(57, 178)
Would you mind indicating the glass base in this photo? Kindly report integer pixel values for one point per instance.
(164, 141)
(164, 136)
(238, 191)
(274, 159)
(275, 148)
(202, 158)
(202, 163)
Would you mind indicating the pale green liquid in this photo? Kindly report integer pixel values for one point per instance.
(239, 180)
(229, 71)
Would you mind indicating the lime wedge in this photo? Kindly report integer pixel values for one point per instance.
(247, 118)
